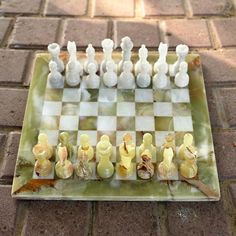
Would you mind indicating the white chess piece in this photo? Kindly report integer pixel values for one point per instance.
(107, 46)
(54, 50)
(181, 51)
(73, 68)
(110, 77)
(126, 46)
(126, 79)
(92, 81)
(182, 78)
(90, 53)
(161, 80)
(55, 78)
(143, 54)
(163, 50)
(144, 78)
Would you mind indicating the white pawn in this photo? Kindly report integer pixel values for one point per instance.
(55, 78)
(107, 46)
(143, 54)
(126, 79)
(90, 53)
(181, 51)
(144, 78)
(110, 77)
(54, 50)
(126, 46)
(92, 80)
(182, 78)
(161, 80)
(162, 49)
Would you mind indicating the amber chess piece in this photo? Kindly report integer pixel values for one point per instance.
(145, 168)
(147, 144)
(64, 141)
(85, 148)
(187, 147)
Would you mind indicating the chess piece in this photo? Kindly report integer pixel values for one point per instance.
(92, 80)
(64, 168)
(126, 46)
(85, 148)
(167, 169)
(143, 54)
(181, 51)
(188, 168)
(163, 50)
(126, 79)
(55, 78)
(168, 143)
(105, 168)
(147, 144)
(73, 68)
(127, 153)
(107, 46)
(145, 168)
(43, 148)
(110, 77)
(54, 50)
(182, 78)
(64, 141)
(42, 167)
(143, 78)
(161, 80)
(90, 53)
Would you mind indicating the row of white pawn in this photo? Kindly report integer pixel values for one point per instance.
(108, 69)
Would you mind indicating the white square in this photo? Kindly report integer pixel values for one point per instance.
(88, 109)
(180, 95)
(52, 136)
(162, 109)
(144, 123)
(126, 109)
(143, 95)
(160, 137)
(120, 134)
(69, 123)
(92, 136)
(107, 95)
(52, 108)
(106, 123)
(183, 123)
(71, 95)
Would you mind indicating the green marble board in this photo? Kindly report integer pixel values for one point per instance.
(175, 111)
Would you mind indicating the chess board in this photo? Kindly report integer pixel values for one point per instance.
(114, 112)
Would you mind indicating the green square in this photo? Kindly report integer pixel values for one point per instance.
(53, 94)
(125, 123)
(181, 109)
(144, 109)
(88, 123)
(70, 108)
(50, 122)
(162, 95)
(139, 137)
(125, 95)
(164, 123)
(110, 134)
(107, 108)
(93, 95)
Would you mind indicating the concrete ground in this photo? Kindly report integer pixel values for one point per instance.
(207, 26)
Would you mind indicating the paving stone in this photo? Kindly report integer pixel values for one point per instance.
(232, 189)
(10, 68)
(4, 24)
(34, 32)
(219, 66)
(7, 211)
(163, 7)
(126, 218)
(9, 159)
(226, 31)
(66, 7)
(194, 33)
(209, 7)
(203, 218)
(58, 218)
(140, 32)
(20, 6)
(12, 105)
(225, 151)
(114, 8)
(84, 32)
(229, 101)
